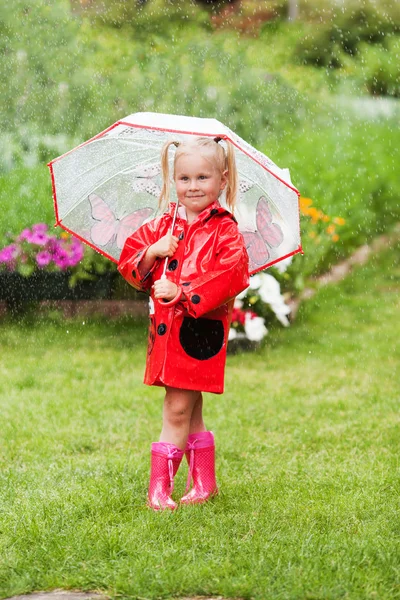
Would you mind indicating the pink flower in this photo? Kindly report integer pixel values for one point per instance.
(40, 228)
(52, 244)
(43, 258)
(37, 246)
(76, 255)
(9, 253)
(39, 238)
(61, 259)
(24, 235)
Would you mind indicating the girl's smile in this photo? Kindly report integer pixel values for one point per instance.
(198, 183)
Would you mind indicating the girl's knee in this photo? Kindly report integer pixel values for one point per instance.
(178, 405)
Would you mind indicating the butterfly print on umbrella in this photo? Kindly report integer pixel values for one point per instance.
(143, 180)
(267, 234)
(108, 227)
(244, 186)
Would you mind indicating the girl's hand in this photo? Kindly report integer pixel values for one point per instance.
(164, 288)
(165, 246)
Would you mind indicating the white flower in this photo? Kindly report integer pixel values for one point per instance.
(255, 328)
(282, 265)
(270, 292)
(232, 334)
(255, 282)
(281, 310)
(242, 294)
(237, 303)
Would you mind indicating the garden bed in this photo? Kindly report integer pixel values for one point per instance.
(17, 289)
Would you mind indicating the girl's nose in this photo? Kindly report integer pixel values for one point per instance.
(193, 184)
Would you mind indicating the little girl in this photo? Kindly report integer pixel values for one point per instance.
(207, 266)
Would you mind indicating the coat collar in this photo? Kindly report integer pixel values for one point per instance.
(212, 209)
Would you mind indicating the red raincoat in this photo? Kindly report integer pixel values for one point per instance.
(188, 338)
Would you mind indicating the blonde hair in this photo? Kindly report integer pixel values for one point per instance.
(224, 161)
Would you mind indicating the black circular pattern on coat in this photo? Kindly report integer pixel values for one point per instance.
(181, 236)
(186, 283)
(161, 329)
(195, 299)
(201, 338)
(214, 211)
(134, 273)
(172, 265)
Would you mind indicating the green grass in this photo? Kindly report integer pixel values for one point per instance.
(308, 446)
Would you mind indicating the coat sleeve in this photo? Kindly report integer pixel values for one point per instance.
(229, 277)
(132, 254)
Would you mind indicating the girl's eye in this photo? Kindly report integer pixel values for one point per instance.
(202, 177)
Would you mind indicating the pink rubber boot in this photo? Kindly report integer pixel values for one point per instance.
(165, 461)
(200, 454)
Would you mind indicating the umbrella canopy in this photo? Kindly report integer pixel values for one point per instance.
(107, 187)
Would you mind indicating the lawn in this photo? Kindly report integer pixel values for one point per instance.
(308, 456)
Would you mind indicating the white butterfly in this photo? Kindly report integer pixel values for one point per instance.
(144, 179)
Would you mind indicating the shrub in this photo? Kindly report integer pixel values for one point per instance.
(381, 68)
(322, 46)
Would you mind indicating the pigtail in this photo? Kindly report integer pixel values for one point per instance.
(165, 190)
(232, 184)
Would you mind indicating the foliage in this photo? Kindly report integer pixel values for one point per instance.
(348, 168)
(345, 34)
(39, 56)
(148, 17)
(71, 73)
(98, 76)
(381, 68)
(35, 249)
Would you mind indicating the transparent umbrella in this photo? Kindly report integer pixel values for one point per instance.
(107, 187)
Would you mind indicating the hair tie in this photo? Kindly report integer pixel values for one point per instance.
(217, 139)
(176, 143)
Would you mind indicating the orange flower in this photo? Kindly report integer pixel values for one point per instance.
(335, 237)
(305, 202)
(313, 213)
(330, 229)
(339, 220)
(64, 235)
(325, 218)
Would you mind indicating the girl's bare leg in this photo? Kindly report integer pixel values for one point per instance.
(177, 413)
(196, 420)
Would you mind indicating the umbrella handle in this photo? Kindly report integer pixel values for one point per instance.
(164, 276)
(164, 273)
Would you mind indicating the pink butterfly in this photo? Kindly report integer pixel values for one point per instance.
(109, 227)
(268, 233)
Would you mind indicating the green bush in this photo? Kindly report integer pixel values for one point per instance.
(381, 68)
(114, 73)
(357, 25)
(349, 169)
(318, 48)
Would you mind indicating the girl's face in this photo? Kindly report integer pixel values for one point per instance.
(198, 183)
